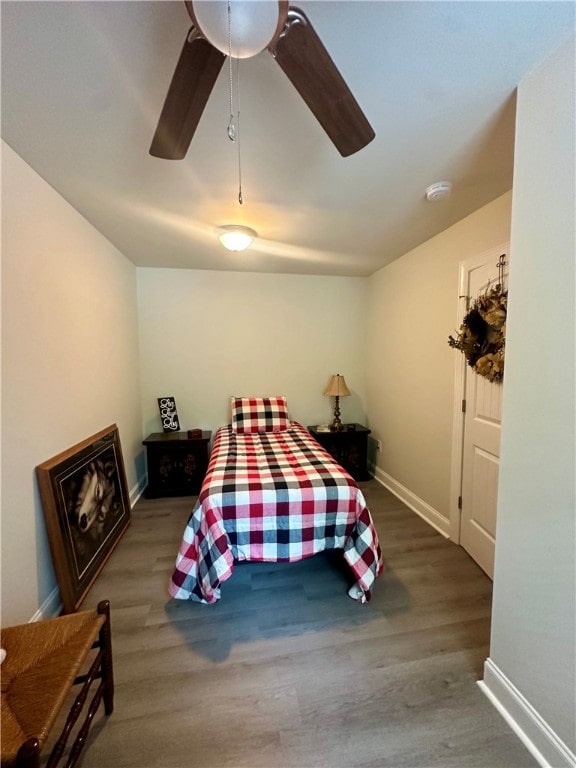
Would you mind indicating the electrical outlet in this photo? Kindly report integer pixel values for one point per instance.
(378, 445)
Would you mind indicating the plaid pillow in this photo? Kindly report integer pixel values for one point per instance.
(259, 414)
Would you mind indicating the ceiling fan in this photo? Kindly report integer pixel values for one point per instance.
(288, 35)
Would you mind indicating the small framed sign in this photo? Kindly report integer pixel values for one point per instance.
(168, 414)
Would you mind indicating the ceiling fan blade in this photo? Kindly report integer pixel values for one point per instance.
(196, 72)
(304, 59)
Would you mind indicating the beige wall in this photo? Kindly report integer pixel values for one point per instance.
(205, 336)
(69, 364)
(534, 625)
(412, 309)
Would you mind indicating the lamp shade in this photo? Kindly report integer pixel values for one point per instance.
(236, 238)
(337, 387)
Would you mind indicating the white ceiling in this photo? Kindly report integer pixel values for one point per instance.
(83, 84)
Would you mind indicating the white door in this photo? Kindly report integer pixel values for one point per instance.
(482, 420)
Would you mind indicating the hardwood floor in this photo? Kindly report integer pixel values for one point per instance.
(286, 670)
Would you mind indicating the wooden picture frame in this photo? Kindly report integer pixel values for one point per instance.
(87, 510)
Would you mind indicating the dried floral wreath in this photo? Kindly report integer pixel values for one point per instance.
(482, 334)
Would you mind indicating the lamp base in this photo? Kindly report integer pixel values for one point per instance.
(336, 425)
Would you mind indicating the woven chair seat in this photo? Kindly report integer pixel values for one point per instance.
(43, 661)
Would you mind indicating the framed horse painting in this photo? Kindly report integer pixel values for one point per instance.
(87, 510)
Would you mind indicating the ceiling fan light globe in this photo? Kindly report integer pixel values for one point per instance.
(253, 24)
(236, 238)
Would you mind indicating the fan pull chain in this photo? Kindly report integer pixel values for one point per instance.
(231, 126)
(234, 128)
(240, 200)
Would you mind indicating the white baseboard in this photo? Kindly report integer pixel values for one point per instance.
(543, 743)
(50, 608)
(415, 503)
(137, 490)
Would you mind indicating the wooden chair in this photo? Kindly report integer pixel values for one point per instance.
(43, 661)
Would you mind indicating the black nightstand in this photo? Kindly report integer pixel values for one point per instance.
(349, 447)
(176, 463)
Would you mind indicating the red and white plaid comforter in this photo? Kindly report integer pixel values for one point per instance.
(272, 497)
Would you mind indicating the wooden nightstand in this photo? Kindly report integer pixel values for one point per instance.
(176, 463)
(349, 447)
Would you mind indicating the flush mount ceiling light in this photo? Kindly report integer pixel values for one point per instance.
(438, 191)
(235, 237)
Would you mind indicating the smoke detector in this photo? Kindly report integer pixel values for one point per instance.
(438, 191)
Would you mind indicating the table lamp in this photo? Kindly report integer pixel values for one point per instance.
(337, 388)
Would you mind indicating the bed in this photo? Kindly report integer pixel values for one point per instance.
(272, 493)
